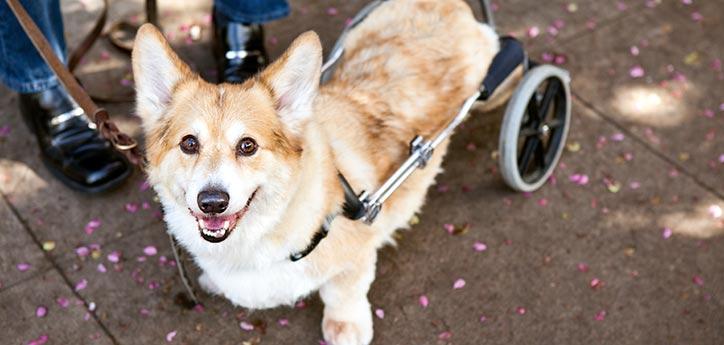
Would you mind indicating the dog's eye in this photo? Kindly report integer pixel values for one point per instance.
(246, 147)
(189, 145)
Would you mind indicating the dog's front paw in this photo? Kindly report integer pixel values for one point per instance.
(208, 285)
(349, 332)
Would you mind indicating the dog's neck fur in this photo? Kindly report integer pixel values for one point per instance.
(318, 193)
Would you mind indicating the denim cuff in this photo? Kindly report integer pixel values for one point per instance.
(240, 15)
(37, 85)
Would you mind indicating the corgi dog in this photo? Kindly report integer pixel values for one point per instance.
(248, 173)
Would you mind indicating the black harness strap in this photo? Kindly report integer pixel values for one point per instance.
(352, 209)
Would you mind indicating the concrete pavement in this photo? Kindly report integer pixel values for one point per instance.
(633, 256)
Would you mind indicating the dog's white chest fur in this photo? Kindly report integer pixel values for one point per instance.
(281, 284)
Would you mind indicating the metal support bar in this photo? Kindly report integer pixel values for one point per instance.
(488, 12)
(338, 49)
(420, 153)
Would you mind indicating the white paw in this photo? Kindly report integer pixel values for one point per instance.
(208, 285)
(356, 329)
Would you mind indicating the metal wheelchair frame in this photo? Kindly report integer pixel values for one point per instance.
(367, 205)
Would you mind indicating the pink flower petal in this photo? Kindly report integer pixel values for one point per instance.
(332, 11)
(144, 186)
(114, 257)
(82, 251)
(380, 313)
(150, 251)
(283, 322)
(199, 308)
(459, 284)
(601, 315)
(39, 341)
(5, 131)
(450, 228)
(246, 326)
(552, 30)
(547, 57)
(41, 311)
(618, 137)
(23, 266)
(170, 336)
(582, 267)
(533, 31)
(444, 335)
(520, 310)
(131, 207)
(596, 283)
(63, 302)
(483, 318)
(666, 233)
(636, 72)
(92, 226)
(82, 284)
(698, 280)
(479, 246)
(579, 179)
(424, 301)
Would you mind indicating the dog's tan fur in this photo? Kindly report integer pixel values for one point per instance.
(406, 71)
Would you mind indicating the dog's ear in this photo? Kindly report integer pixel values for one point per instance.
(156, 70)
(294, 80)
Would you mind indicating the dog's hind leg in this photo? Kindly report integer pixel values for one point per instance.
(347, 314)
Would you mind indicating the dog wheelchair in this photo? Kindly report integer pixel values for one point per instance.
(532, 136)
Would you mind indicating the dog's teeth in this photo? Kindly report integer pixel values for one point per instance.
(226, 224)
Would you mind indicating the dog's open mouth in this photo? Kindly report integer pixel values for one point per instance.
(217, 228)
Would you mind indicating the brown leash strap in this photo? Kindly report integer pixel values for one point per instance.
(121, 141)
(85, 45)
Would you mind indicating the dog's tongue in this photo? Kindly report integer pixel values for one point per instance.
(214, 223)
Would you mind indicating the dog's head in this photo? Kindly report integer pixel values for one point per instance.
(223, 157)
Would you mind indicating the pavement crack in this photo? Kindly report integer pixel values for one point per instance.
(54, 265)
(648, 147)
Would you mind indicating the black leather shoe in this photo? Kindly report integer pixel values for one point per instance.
(70, 146)
(239, 50)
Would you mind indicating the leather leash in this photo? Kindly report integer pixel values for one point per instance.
(122, 142)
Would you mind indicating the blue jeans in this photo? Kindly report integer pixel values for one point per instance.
(23, 70)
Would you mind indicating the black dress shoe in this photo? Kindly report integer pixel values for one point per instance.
(239, 50)
(70, 146)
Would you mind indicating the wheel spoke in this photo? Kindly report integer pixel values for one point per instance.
(540, 155)
(529, 149)
(555, 123)
(533, 110)
(528, 131)
(550, 93)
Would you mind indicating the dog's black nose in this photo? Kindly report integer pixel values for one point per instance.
(213, 201)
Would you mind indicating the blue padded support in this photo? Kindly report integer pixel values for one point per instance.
(510, 56)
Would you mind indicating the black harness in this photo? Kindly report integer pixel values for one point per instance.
(352, 209)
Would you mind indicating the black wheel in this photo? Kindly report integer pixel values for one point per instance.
(535, 128)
